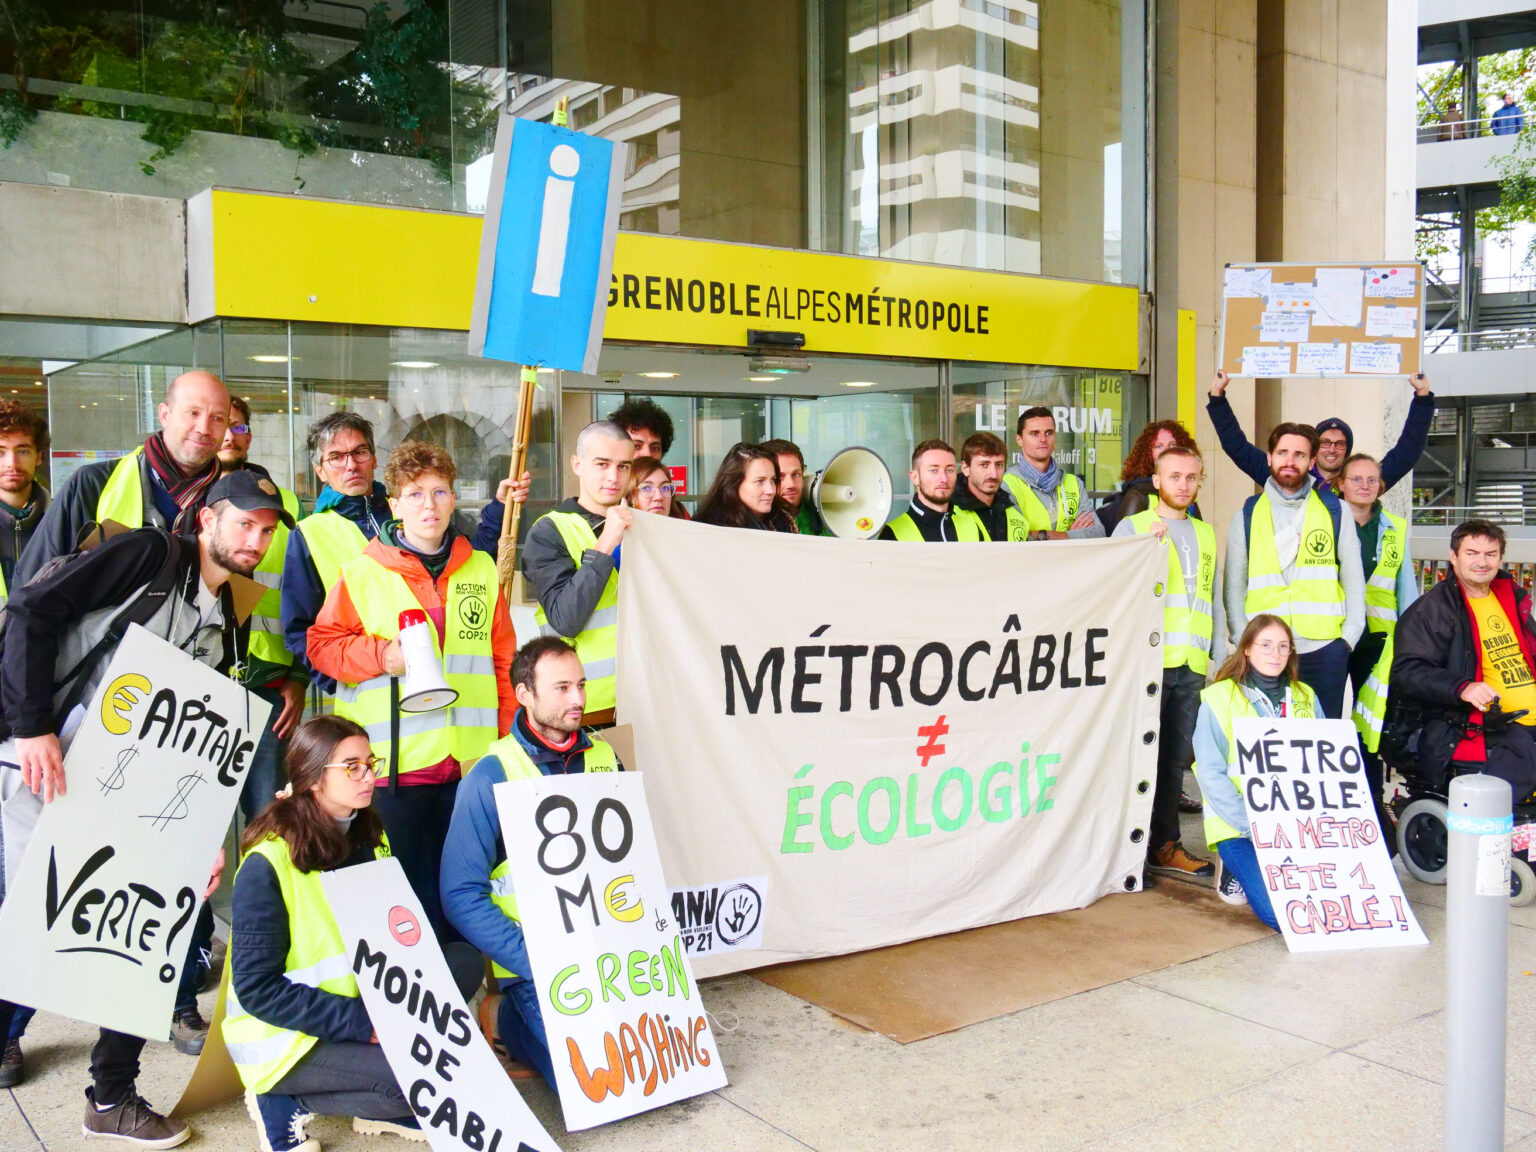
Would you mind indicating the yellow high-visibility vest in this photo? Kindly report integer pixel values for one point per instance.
(1187, 623)
(466, 727)
(122, 499)
(1381, 589)
(333, 540)
(517, 765)
(1370, 710)
(598, 642)
(1313, 602)
(1226, 701)
(968, 528)
(266, 618)
(1069, 498)
(317, 958)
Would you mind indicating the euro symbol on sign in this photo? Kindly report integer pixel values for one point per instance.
(616, 896)
(119, 699)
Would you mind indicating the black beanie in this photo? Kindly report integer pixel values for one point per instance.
(1333, 422)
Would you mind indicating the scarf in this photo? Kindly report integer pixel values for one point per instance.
(1287, 533)
(1272, 686)
(329, 497)
(1045, 482)
(187, 491)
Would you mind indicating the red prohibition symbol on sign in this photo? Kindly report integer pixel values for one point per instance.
(403, 926)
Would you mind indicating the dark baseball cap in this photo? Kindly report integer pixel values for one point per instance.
(248, 491)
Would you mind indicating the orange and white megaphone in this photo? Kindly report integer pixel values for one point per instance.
(424, 687)
(853, 494)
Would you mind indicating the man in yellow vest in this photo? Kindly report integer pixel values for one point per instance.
(419, 566)
(983, 459)
(1287, 556)
(546, 739)
(569, 559)
(1189, 598)
(931, 517)
(23, 501)
(1390, 587)
(268, 668)
(164, 482)
(1054, 501)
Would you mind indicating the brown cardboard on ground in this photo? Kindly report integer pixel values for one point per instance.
(214, 1079)
(926, 987)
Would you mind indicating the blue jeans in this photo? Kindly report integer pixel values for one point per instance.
(267, 774)
(522, 1028)
(1243, 862)
(1326, 671)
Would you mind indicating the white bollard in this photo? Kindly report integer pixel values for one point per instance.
(1478, 827)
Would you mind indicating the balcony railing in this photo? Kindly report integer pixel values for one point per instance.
(1448, 516)
(1489, 340)
(1434, 130)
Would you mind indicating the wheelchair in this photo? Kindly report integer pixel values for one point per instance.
(1422, 836)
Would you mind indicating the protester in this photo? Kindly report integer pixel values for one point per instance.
(269, 669)
(651, 488)
(1260, 678)
(793, 488)
(1286, 556)
(745, 493)
(1389, 589)
(1508, 119)
(23, 499)
(164, 482)
(1464, 695)
(1137, 492)
(296, 1028)
(983, 458)
(419, 562)
(546, 740)
(930, 516)
(1336, 440)
(63, 626)
(1051, 499)
(647, 425)
(1188, 626)
(568, 559)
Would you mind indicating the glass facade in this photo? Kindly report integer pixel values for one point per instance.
(982, 133)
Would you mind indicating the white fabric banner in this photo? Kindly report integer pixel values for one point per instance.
(98, 922)
(904, 739)
(1319, 844)
(451, 1077)
(627, 1030)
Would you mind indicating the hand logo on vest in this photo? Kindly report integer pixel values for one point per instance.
(1391, 554)
(472, 611)
(403, 925)
(1318, 544)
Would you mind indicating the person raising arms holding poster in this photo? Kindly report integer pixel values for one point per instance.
(419, 562)
(546, 739)
(745, 493)
(931, 517)
(1260, 678)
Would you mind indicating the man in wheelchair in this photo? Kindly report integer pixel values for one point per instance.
(1462, 695)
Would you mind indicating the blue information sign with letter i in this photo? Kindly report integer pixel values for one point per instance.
(546, 250)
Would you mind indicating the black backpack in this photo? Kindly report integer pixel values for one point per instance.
(151, 598)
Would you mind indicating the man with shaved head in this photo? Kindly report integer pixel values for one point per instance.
(570, 559)
(163, 482)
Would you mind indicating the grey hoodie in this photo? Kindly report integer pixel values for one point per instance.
(1287, 509)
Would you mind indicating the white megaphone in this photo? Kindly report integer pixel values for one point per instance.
(853, 493)
(424, 687)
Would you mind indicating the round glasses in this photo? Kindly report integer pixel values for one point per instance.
(359, 770)
(359, 455)
(419, 497)
(1273, 648)
(657, 489)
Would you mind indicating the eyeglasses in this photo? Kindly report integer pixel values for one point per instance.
(1273, 648)
(239, 429)
(654, 489)
(1363, 481)
(358, 770)
(358, 455)
(419, 497)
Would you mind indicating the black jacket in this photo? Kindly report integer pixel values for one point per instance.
(994, 516)
(16, 530)
(73, 511)
(568, 592)
(1433, 660)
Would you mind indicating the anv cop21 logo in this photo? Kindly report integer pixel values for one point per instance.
(1391, 551)
(1318, 545)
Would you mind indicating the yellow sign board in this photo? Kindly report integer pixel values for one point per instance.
(284, 258)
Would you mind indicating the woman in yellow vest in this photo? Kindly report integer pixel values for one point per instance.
(1389, 588)
(294, 1024)
(1260, 678)
(420, 563)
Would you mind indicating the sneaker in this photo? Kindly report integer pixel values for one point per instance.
(1173, 860)
(12, 1070)
(1227, 886)
(281, 1123)
(189, 1031)
(134, 1122)
(1188, 803)
(406, 1129)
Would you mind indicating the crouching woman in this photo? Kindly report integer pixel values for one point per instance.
(1260, 678)
(294, 1023)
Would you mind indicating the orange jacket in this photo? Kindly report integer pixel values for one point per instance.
(339, 648)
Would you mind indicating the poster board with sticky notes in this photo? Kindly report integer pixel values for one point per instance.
(1319, 320)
